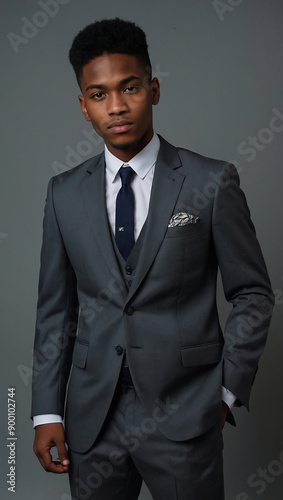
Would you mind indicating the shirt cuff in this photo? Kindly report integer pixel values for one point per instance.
(49, 418)
(228, 397)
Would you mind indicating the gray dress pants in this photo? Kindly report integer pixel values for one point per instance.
(130, 449)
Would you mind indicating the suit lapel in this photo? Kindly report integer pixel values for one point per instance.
(95, 205)
(166, 187)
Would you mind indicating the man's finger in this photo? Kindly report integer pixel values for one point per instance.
(63, 456)
(46, 437)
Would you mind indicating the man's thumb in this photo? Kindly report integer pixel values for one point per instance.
(63, 454)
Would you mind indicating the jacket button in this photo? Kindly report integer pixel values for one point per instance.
(130, 283)
(128, 270)
(119, 349)
(129, 310)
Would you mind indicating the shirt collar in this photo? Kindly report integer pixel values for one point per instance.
(141, 163)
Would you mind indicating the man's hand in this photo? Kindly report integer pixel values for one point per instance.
(224, 412)
(47, 436)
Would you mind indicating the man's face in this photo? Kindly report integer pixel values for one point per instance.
(117, 99)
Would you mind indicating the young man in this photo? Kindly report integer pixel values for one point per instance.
(127, 308)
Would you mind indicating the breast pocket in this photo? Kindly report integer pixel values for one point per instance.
(190, 230)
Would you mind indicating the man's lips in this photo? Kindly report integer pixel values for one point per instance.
(119, 126)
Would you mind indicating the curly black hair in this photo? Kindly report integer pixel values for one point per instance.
(109, 36)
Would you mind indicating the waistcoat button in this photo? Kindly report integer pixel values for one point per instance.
(128, 270)
(119, 349)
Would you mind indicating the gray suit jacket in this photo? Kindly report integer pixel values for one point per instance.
(167, 319)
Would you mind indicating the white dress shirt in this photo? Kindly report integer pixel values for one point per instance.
(143, 165)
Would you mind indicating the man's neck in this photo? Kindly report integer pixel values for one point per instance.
(127, 153)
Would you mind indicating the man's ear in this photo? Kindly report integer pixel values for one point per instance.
(155, 89)
(83, 107)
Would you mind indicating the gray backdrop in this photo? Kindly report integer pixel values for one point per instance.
(220, 67)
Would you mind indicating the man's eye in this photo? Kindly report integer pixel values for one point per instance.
(130, 89)
(97, 95)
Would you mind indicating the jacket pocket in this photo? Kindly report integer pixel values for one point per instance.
(205, 354)
(80, 353)
(189, 230)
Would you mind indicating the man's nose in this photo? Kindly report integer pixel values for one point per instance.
(116, 104)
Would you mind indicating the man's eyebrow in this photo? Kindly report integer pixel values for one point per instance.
(122, 82)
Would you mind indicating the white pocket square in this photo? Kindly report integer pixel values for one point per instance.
(182, 219)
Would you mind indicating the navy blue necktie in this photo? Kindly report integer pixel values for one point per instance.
(124, 227)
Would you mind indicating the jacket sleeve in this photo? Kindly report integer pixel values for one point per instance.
(246, 285)
(56, 323)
